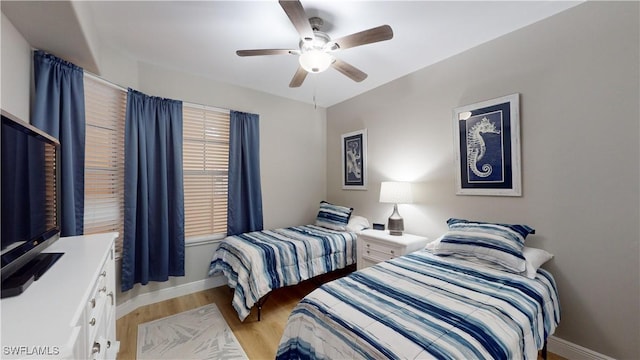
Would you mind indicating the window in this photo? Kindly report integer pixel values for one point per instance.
(206, 169)
(105, 107)
(205, 163)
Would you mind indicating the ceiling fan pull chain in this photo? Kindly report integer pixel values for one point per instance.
(315, 91)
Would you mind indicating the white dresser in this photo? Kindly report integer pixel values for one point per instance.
(375, 246)
(69, 313)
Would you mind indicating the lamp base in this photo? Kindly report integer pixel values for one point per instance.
(396, 222)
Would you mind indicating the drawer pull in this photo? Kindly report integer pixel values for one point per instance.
(92, 322)
(108, 344)
(368, 252)
(104, 289)
(368, 245)
(96, 348)
(392, 252)
(104, 273)
(93, 303)
(110, 294)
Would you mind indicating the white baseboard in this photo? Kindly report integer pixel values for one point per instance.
(572, 351)
(168, 293)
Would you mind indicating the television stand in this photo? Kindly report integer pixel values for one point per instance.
(19, 281)
(70, 313)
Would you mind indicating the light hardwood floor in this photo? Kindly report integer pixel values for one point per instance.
(259, 339)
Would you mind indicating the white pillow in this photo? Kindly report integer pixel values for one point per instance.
(432, 245)
(357, 223)
(534, 258)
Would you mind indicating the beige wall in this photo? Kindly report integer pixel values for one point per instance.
(578, 76)
(15, 61)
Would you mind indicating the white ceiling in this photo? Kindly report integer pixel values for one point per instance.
(201, 37)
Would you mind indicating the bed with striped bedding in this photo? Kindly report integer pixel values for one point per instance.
(423, 306)
(258, 262)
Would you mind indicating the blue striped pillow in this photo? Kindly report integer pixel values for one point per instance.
(497, 243)
(333, 217)
(523, 230)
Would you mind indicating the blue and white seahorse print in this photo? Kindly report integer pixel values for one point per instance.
(484, 153)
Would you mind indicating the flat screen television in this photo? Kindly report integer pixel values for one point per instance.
(30, 195)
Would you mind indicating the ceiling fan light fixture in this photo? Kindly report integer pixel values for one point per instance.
(315, 61)
(316, 47)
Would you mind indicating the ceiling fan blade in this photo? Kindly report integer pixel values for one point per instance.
(295, 12)
(349, 70)
(265, 52)
(298, 77)
(380, 33)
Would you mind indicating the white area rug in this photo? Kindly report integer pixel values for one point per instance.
(200, 333)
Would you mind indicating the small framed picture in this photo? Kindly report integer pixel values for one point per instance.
(487, 147)
(354, 160)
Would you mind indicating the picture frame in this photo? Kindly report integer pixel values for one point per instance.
(487, 147)
(354, 160)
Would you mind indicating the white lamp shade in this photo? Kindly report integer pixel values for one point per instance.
(396, 192)
(315, 61)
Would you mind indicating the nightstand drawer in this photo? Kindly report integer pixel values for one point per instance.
(376, 256)
(364, 262)
(375, 246)
(386, 251)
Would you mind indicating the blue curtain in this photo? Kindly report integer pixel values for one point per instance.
(153, 244)
(59, 111)
(244, 212)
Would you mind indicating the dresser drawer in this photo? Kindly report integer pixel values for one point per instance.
(95, 307)
(98, 292)
(100, 312)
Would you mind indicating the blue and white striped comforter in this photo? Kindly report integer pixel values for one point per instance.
(422, 306)
(258, 262)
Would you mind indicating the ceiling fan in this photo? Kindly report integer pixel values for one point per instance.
(316, 47)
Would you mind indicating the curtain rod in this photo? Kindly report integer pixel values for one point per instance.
(119, 87)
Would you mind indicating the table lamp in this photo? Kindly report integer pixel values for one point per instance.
(395, 193)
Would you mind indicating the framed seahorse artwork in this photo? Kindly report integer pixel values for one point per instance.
(354, 160)
(487, 147)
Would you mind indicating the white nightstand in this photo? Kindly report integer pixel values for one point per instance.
(375, 246)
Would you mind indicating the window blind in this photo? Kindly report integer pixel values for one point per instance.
(51, 193)
(105, 107)
(206, 169)
(205, 163)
